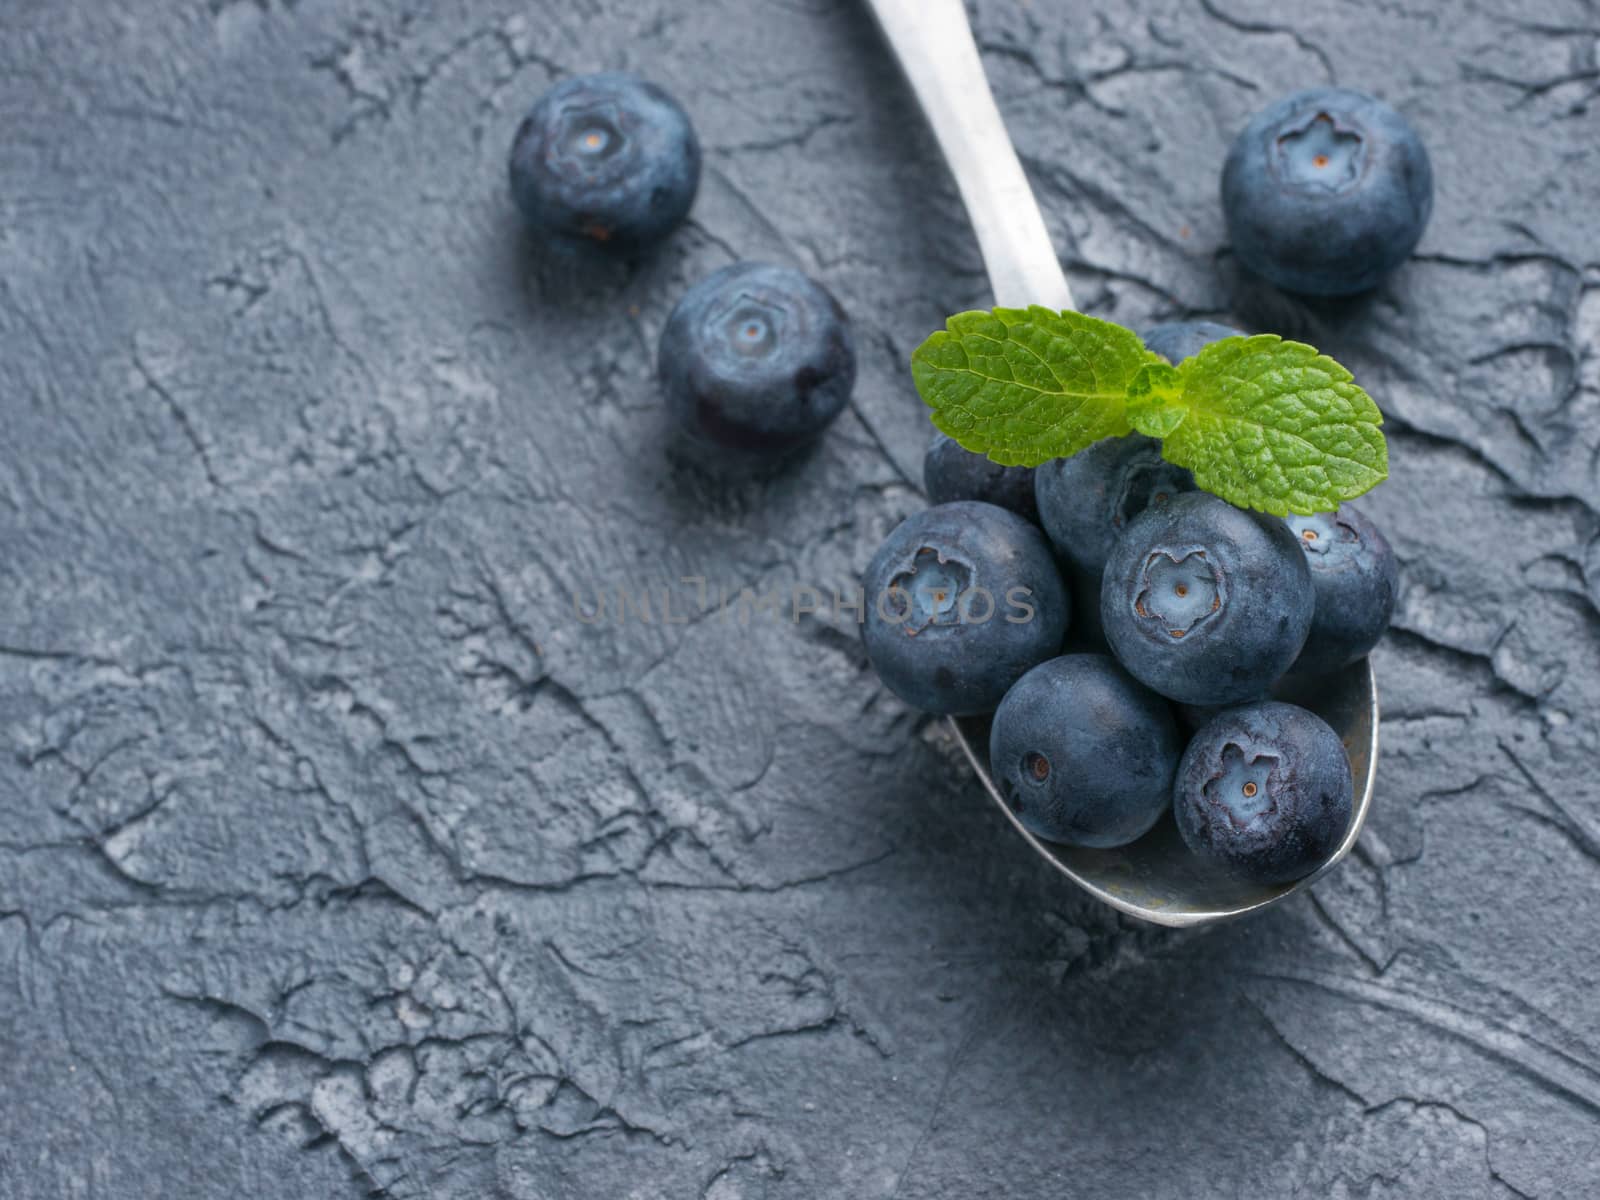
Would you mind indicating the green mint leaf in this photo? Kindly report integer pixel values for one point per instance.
(1024, 386)
(1155, 400)
(1271, 425)
(1263, 423)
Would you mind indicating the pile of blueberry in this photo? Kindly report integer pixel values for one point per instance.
(756, 359)
(1189, 609)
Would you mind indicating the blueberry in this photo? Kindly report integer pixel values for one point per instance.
(1082, 753)
(1326, 192)
(1355, 579)
(1087, 500)
(1264, 790)
(1204, 602)
(952, 472)
(756, 358)
(607, 159)
(960, 600)
(1178, 340)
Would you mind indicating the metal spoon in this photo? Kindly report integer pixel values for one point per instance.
(1155, 878)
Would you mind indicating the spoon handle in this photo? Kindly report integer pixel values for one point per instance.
(933, 43)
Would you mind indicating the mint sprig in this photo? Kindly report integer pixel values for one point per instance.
(1262, 422)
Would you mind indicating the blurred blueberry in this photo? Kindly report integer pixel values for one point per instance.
(756, 359)
(1326, 191)
(609, 159)
(1178, 340)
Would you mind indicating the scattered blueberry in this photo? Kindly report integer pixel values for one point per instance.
(1326, 191)
(952, 472)
(756, 358)
(608, 159)
(1265, 791)
(1178, 340)
(1204, 602)
(960, 601)
(1355, 579)
(1082, 753)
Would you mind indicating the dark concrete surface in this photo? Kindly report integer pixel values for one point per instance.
(339, 858)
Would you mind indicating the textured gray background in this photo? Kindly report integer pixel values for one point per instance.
(337, 858)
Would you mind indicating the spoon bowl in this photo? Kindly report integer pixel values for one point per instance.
(1154, 878)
